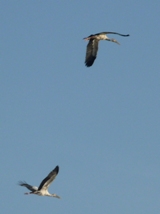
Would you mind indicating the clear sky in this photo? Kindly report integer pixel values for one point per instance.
(101, 124)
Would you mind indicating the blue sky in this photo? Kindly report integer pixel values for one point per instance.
(101, 124)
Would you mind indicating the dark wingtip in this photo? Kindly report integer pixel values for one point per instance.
(88, 65)
(57, 169)
(20, 183)
(89, 62)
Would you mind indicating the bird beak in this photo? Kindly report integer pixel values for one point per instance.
(116, 42)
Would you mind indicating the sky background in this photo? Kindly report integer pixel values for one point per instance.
(101, 124)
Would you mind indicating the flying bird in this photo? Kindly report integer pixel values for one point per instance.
(92, 47)
(42, 190)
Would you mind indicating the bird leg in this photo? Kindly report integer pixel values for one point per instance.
(90, 37)
(86, 38)
(27, 193)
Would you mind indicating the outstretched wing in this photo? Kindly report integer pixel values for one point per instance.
(113, 33)
(91, 52)
(48, 180)
(32, 188)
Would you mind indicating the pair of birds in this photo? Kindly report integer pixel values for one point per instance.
(91, 54)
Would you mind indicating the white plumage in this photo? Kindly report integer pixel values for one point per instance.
(42, 190)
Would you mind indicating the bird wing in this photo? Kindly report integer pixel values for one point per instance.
(48, 180)
(32, 188)
(91, 52)
(113, 33)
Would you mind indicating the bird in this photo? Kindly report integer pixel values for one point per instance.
(92, 47)
(42, 190)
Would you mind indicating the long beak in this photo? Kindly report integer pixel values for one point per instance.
(117, 42)
(56, 196)
(113, 40)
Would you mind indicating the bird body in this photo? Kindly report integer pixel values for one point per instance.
(42, 190)
(92, 47)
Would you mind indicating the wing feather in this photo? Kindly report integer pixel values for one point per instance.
(91, 52)
(48, 180)
(32, 188)
(113, 33)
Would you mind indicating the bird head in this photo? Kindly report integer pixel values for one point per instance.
(113, 40)
(54, 195)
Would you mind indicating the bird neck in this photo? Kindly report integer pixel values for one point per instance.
(108, 39)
